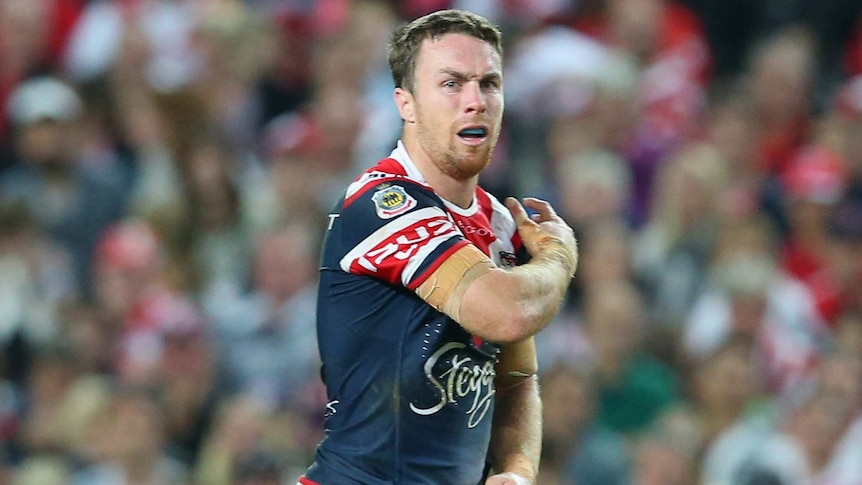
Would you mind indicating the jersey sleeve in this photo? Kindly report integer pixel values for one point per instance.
(397, 231)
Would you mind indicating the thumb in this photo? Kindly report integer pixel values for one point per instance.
(518, 212)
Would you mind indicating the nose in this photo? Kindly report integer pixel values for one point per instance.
(474, 98)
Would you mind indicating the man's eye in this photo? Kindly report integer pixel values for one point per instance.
(490, 84)
(450, 84)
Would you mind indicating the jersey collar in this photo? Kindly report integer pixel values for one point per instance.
(400, 155)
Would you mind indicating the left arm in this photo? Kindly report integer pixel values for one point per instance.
(516, 437)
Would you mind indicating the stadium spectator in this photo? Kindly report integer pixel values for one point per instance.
(165, 164)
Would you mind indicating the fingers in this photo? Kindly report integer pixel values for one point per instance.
(544, 210)
(518, 212)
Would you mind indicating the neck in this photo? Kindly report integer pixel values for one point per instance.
(457, 191)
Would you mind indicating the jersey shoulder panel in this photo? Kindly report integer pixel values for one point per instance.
(386, 170)
(394, 228)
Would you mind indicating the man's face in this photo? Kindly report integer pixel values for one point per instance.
(457, 103)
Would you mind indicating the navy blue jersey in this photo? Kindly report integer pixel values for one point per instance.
(411, 393)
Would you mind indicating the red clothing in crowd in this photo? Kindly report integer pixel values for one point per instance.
(60, 19)
(812, 271)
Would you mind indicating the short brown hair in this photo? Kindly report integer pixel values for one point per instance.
(406, 40)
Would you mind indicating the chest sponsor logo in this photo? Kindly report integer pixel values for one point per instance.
(391, 201)
(473, 230)
(459, 378)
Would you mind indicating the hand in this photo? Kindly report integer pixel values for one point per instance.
(507, 479)
(544, 226)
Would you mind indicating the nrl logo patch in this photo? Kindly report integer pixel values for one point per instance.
(392, 201)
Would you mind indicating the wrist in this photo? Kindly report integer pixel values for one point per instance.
(554, 248)
(517, 478)
(519, 468)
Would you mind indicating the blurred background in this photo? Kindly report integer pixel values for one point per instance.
(166, 167)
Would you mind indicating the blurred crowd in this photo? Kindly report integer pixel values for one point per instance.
(166, 167)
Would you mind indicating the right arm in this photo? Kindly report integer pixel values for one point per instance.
(508, 305)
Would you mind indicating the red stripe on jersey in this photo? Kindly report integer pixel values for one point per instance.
(484, 201)
(305, 481)
(388, 166)
(516, 241)
(436, 264)
(388, 257)
(477, 229)
(486, 206)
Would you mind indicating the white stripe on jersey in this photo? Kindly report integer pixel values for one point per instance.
(441, 232)
(502, 223)
(400, 155)
(364, 179)
(417, 259)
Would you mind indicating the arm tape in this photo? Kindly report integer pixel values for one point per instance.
(550, 246)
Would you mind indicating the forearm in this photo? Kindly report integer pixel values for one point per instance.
(539, 288)
(516, 438)
(507, 305)
(530, 295)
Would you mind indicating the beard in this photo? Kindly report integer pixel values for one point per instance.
(456, 160)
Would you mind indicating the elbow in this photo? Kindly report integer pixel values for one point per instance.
(501, 308)
(518, 324)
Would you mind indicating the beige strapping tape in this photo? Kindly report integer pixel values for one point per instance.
(445, 288)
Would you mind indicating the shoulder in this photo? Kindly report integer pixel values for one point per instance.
(386, 171)
(384, 194)
(392, 227)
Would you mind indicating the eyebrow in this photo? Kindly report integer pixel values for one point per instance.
(491, 76)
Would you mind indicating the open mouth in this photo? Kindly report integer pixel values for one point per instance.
(475, 133)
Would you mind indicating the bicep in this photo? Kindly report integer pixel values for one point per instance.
(446, 286)
(498, 305)
(481, 297)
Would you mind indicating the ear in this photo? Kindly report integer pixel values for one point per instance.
(406, 105)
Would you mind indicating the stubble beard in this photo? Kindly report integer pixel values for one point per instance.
(455, 160)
